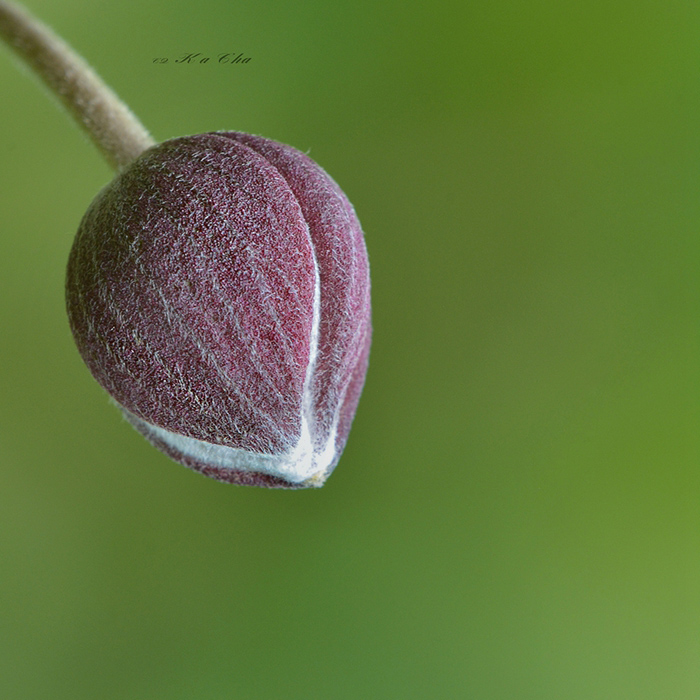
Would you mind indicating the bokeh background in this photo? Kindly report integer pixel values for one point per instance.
(517, 512)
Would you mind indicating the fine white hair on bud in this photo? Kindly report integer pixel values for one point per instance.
(218, 288)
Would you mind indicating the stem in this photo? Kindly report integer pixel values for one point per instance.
(107, 120)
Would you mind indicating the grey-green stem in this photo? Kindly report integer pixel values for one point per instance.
(107, 120)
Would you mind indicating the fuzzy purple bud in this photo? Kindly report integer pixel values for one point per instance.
(218, 289)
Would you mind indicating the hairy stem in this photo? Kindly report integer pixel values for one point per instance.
(107, 120)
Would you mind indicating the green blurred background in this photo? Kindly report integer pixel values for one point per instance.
(517, 512)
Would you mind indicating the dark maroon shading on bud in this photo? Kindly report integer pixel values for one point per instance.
(218, 289)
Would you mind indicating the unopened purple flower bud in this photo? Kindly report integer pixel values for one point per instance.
(218, 289)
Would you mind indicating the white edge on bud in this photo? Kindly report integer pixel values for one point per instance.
(302, 462)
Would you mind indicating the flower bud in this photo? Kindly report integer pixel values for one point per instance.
(218, 289)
